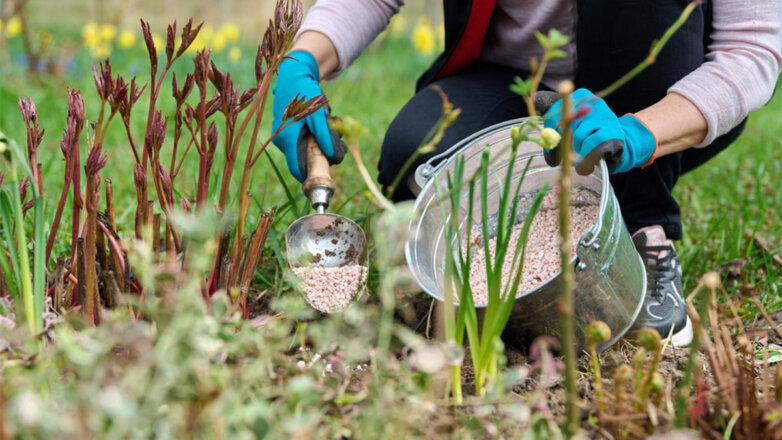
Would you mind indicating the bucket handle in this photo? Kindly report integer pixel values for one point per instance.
(428, 169)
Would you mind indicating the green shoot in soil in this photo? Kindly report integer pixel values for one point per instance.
(27, 289)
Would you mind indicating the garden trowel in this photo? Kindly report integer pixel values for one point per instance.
(322, 239)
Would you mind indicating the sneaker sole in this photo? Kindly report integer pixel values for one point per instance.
(683, 337)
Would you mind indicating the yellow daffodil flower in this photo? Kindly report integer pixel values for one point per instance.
(108, 32)
(1, 26)
(90, 35)
(423, 37)
(127, 39)
(219, 42)
(13, 27)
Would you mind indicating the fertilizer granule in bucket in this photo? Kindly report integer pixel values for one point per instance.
(330, 289)
(541, 259)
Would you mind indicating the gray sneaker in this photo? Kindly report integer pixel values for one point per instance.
(664, 306)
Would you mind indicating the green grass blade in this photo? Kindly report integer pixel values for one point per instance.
(300, 212)
(24, 266)
(449, 278)
(502, 240)
(36, 291)
(467, 317)
(507, 306)
(7, 217)
(490, 278)
(5, 271)
(39, 264)
(517, 251)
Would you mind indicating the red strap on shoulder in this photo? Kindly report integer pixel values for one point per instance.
(468, 49)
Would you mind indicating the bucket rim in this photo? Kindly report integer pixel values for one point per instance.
(429, 172)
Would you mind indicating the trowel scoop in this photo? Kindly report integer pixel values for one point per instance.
(322, 239)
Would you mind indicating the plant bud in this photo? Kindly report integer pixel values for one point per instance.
(549, 138)
(566, 87)
(658, 383)
(234, 293)
(139, 175)
(259, 65)
(170, 37)
(597, 332)
(649, 339)
(29, 113)
(712, 280)
(515, 133)
(211, 136)
(622, 374)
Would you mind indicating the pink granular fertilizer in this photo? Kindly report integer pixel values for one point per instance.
(541, 260)
(330, 289)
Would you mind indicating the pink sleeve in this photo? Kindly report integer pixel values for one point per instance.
(742, 65)
(350, 24)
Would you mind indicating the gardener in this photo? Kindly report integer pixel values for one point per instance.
(688, 106)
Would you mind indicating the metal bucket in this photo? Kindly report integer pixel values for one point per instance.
(610, 276)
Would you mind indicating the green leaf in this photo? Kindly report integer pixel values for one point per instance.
(542, 40)
(521, 87)
(556, 39)
(557, 54)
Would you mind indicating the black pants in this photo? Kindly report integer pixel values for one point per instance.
(613, 36)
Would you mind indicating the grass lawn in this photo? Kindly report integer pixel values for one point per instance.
(735, 194)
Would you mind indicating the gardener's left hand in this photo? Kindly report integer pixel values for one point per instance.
(625, 142)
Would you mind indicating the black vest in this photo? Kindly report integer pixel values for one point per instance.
(612, 36)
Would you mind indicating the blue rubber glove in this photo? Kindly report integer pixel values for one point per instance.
(299, 75)
(625, 142)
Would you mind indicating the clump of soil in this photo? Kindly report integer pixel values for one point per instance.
(541, 260)
(330, 289)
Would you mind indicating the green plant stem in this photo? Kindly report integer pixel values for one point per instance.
(456, 384)
(24, 265)
(657, 47)
(12, 268)
(565, 300)
(597, 377)
(32, 289)
(647, 387)
(39, 267)
(530, 99)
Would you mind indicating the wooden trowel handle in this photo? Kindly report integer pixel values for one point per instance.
(317, 169)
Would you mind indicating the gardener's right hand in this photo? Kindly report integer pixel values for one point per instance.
(298, 75)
